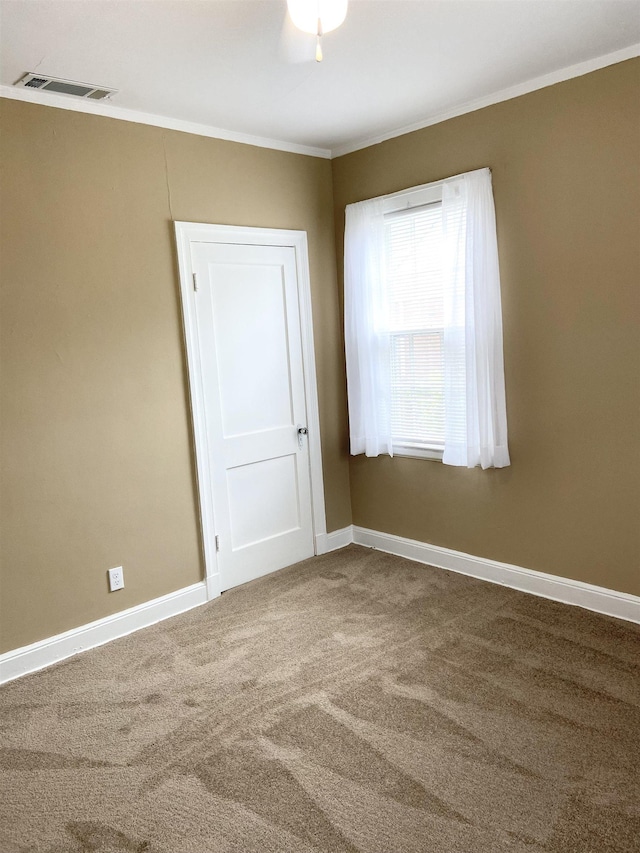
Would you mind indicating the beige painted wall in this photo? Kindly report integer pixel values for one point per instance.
(98, 468)
(566, 174)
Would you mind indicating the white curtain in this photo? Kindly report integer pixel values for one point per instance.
(475, 411)
(367, 342)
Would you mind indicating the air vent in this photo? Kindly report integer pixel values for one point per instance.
(65, 87)
(36, 82)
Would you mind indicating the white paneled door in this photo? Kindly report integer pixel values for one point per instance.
(247, 330)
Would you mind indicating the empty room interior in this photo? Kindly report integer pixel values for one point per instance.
(320, 426)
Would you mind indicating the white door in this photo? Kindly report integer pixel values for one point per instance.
(247, 314)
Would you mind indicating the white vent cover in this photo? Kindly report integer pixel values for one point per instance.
(65, 87)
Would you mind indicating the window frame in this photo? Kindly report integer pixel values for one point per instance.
(400, 202)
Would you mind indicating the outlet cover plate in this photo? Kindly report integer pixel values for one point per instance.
(116, 578)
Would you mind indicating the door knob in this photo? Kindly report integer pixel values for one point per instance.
(302, 430)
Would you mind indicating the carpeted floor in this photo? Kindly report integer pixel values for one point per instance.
(354, 702)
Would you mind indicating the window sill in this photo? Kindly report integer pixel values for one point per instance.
(415, 452)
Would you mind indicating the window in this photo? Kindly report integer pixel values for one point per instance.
(413, 252)
(423, 324)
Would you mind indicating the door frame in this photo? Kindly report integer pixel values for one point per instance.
(195, 232)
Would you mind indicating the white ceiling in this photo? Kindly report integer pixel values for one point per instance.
(241, 66)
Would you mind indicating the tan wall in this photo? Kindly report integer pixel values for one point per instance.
(565, 164)
(98, 470)
(98, 467)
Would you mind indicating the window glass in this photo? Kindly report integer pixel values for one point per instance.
(416, 316)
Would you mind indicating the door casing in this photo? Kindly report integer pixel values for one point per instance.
(193, 232)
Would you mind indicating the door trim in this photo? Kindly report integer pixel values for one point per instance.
(194, 232)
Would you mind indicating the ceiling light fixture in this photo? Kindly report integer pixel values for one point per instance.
(317, 17)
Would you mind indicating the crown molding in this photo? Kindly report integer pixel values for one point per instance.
(533, 85)
(67, 102)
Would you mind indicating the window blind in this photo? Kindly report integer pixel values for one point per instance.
(415, 282)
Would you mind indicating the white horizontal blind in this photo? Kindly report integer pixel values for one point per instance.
(415, 280)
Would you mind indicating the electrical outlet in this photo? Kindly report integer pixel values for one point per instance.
(116, 578)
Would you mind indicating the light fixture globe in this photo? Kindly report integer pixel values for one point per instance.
(317, 16)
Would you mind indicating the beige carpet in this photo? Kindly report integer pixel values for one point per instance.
(354, 702)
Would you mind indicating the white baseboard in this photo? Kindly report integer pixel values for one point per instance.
(326, 542)
(53, 649)
(596, 598)
(599, 599)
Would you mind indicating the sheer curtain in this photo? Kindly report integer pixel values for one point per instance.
(475, 410)
(367, 341)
